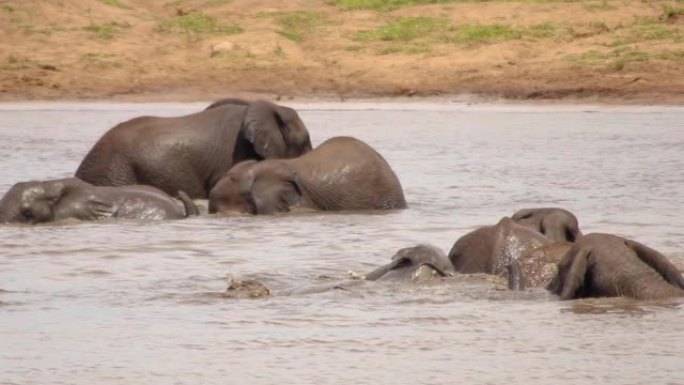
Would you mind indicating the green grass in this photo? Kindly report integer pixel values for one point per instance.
(646, 29)
(115, 3)
(670, 55)
(479, 33)
(195, 23)
(602, 5)
(216, 3)
(389, 5)
(278, 51)
(671, 12)
(405, 29)
(105, 31)
(440, 30)
(99, 60)
(619, 58)
(17, 63)
(296, 26)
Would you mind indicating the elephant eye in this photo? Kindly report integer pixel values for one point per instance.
(27, 214)
(251, 205)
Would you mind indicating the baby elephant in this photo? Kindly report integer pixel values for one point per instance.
(36, 202)
(418, 263)
(557, 224)
(343, 173)
(605, 265)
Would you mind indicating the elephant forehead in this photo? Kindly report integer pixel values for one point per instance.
(31, 193)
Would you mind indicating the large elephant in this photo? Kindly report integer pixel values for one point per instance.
(605, 265)
(417, 263)
(36, 202)
(190, 153)
(490, 249)
(343, 173)
(555, 223)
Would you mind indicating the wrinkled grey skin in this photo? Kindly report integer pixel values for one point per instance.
(54, 200)
(190, 153)
(605, 265)
(490, 249)
(536, 267)
(343, 173)
(418, 263)
(557, 224)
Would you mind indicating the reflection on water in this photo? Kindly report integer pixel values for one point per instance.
(141, 302)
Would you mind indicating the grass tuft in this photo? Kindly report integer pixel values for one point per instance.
(115, 3)
(197, 23)
(390, 5)
(105, 31)
(405, 29)
(296, 26)
(477, 33)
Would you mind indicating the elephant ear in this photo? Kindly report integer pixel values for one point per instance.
(275, 131)
(382, 270)
(55, 190)
(571, 274)
(658, 262)
(279, 195)
(523, 214)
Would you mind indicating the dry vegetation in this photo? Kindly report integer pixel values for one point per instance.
(201, 49)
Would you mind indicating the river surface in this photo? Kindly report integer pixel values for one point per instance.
(140, 302)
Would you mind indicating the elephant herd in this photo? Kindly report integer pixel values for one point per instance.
(257, 158)
(544, 247)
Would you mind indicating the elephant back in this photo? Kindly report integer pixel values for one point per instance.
(346, 173)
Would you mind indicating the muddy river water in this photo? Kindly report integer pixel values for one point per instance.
(140, 302)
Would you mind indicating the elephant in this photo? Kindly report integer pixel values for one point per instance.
(54, 200)
(555, 223)
(343, 173)
(508, 249)
(190, 153)
(417, 263)
(606, 265)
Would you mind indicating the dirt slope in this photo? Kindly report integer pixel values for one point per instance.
(618, 51)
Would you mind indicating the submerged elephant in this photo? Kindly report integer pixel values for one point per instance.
(605, 265)
(558, 224)
(343, 173)
(36, 202)
(490, 249)
(417, 263)
(190, 153)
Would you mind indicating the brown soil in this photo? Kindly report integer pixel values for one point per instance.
(627, 51)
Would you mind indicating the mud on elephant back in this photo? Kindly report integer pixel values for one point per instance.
(190, 153)
(343, 173)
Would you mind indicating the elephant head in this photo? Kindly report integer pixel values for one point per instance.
(255, 187)
(275, 131)
(415, 263)
(33, 202)
(558, 224)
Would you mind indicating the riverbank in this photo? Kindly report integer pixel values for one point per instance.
(185, 50)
